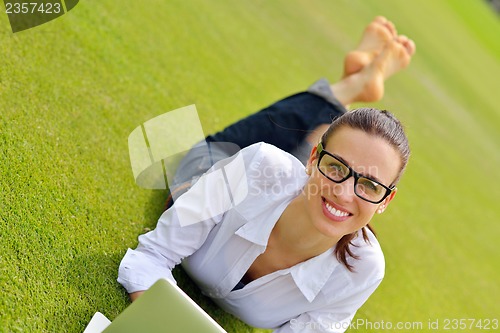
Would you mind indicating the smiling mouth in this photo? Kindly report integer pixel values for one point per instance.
(333, 213)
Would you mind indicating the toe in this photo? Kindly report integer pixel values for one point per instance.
(411, 47)
(380, 19)
(392, 28)
(387, 24)
(407, 43)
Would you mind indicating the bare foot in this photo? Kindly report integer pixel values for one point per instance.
(375, 36)
(368, 84)
(395, 56)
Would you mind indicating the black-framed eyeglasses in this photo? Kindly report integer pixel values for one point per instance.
(333, 168)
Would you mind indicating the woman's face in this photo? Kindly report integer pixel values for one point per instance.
(335, 209)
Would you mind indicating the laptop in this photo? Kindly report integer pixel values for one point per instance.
(164, 308)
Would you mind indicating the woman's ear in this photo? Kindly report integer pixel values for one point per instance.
(382, 206)
(312, 159)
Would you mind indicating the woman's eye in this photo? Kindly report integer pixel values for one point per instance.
(369, 186)
(336, 169)
(335, 166)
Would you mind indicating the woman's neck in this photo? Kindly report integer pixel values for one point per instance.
(295, 234)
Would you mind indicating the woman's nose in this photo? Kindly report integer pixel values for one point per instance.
(344, 191)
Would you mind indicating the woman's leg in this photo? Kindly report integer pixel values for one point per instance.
(293, 120)
(296, 122)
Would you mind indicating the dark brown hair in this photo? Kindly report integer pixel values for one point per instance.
(379, 123)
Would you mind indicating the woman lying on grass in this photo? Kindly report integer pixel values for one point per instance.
(277, 242)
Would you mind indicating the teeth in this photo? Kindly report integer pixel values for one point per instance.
(334, 211)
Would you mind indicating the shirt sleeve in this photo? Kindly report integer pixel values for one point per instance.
(182, 229)
(335, 318)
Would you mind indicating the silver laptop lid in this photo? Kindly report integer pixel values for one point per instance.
(164, 308)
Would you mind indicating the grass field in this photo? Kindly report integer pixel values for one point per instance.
(73, 89)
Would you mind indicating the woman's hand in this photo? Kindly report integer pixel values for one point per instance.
(134, 296)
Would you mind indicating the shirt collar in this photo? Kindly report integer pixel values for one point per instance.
(311, 275)
(259, 229)
(260, 223)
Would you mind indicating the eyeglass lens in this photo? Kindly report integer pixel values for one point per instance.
(338, 172)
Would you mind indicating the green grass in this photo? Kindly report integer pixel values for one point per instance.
(73, 89)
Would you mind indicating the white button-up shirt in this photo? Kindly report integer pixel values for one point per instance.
(222, 224)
